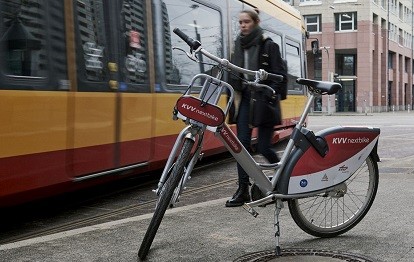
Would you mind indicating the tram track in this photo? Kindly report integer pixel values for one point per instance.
(28, 227)
(105, 217)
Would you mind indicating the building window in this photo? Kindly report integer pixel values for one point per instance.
(393, 32)
(313, 23)
(345, 21)
(390, 60)
(289, 1)
(406, 65)
(310, 2)
(400, 37)
(393, 6)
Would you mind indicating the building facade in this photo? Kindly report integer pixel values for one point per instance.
(367, 46)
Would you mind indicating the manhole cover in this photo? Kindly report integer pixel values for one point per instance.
(303, 255)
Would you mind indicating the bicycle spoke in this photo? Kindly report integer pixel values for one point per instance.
(337, 211)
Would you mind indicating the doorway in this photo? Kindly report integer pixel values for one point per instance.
(345, 98)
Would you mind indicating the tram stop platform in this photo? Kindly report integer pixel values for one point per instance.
(209, 231)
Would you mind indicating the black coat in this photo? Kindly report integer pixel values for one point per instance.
(271, 61)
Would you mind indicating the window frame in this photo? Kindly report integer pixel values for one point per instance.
(352, 21)
(310, 2)
(293, 87)
(318, 23)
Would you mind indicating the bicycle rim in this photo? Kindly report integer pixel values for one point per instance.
(334, 213)
(165, 197)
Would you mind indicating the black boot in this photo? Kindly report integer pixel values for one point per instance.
(240, 197)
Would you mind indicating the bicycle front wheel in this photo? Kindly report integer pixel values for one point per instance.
(335, 212)
(165, 197)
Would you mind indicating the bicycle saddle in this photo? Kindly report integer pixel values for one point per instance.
(321, 87)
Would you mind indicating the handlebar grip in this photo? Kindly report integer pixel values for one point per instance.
(191, 42)
(275, 78)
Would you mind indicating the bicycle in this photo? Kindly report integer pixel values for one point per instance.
(329, 179)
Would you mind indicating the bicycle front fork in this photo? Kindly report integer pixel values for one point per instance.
(189, 132)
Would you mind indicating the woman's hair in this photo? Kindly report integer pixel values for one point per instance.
(253, 13)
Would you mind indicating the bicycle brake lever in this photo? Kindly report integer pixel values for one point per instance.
(189, 55)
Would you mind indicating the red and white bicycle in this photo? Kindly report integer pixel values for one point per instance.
(329, 179)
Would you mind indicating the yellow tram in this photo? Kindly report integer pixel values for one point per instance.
(87, 87)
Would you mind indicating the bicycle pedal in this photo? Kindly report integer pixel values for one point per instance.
(250, 210)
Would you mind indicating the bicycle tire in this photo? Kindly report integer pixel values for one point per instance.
(321, 216)
(165, 198)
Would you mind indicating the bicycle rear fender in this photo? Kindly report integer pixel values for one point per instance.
(310, 170)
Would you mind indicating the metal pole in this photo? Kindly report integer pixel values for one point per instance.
(329, 76)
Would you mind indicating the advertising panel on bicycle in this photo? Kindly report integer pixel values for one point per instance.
(200, 111)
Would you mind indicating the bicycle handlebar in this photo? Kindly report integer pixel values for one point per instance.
(191, 42)
(260, 75)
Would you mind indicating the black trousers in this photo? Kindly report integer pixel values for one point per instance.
(244, 133)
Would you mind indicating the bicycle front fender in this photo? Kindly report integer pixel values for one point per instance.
(307, 170)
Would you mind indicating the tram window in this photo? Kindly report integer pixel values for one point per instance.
(270, 28)
(31, 34)
(24, 39)
(294, 67)
(200, 22)
(276, 38)
(134, 56)
(91, 40)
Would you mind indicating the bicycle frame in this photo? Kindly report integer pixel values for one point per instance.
(203, 114)
(318, 166)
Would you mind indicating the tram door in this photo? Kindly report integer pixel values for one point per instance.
(112, 106)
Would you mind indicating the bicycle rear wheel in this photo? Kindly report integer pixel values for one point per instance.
(335, 212)
(165, 197)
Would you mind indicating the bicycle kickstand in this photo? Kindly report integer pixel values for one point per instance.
(279, 206)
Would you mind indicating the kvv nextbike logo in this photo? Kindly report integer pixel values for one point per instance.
(345, 140)
(230, 139)
(198, 111)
